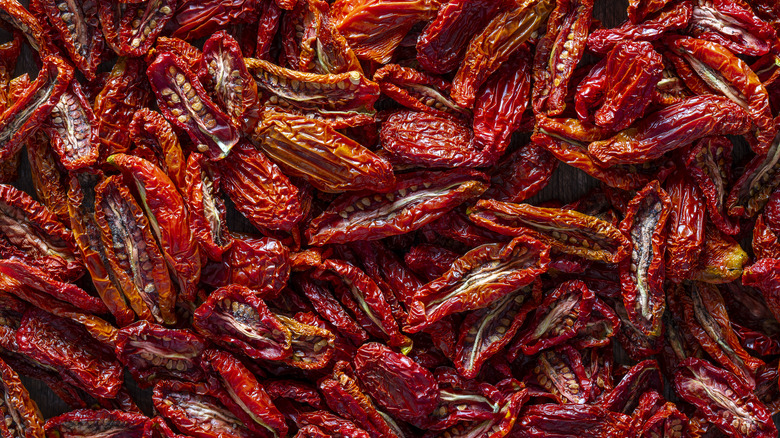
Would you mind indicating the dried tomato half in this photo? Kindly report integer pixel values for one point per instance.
(73, 129)
(202, 410)
(314, 151)
(235, 318)
(484, 332)
(482, 276)
(69, 348)
(417, 198)
(401, 386)
(25, 417)
(566, 231)
(30, 110)
(563, 312)
(642, 274)
(185, 103)
(132, 252)
(88, 422)
(29, 232)
(244, 389)
(723, 399)
(152, 353)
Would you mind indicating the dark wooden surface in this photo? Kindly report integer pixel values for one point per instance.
(567, 184)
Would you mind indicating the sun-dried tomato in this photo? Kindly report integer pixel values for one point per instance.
(331, 310)
(416, 90)
(167, 214)
(602, 326)
(150, 130)
(141, 23)
(521, 174)
(26, 114)
(732, 77)
(152, 353)
(733, 25)
(670, 128)
(586, 421)
(642, 273)
(707, 320)
(328, 425)
(632, 71)
(245, 390)
(125, 92)
(404, 388)
(485, 332)
(673, 17)
(397, 282)
(562, 313)
(444, 40)
(429, 261)
(196, 19)
(374, 28)
(300, 28)
(13, 14)
(760, 177)
(458, 227)
(365, 299)
(30, 276)
(235, 89)
(313, 346)
(259, 190)
(349, 92)
(31, 233)
(721, 260)
(568, 139)
(561, 372)
(68, 347)
(158, 428)
(566, 231)
(343, 396)
(557, 54)
(422, 139)
(81, 206)
(685, 238)
(240, 321)
(206, 207)
(77, 30)
(23, 413)
(73, 129)
(132, 252)
(184, 102)
(314, 151)
(723, 399)
(501, 104)
(495, 44)
(202, 410)
(85, 422)
(417, 198)
(477, 279)
(260, 264)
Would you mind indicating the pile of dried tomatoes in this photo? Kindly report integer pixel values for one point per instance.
(392, 278)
